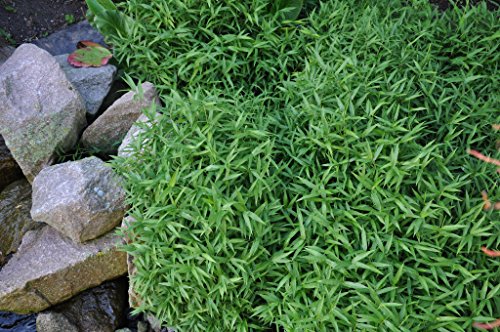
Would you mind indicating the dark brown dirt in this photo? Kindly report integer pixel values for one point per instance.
(446, 4)
(26, 20)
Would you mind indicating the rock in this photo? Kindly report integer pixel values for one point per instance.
(54, 322)
(93, 84)
(142, 326)
(133, 298)
(10, 322)
(5, 53)
(49, 268)
(125, 149)
(108, 131)
(9, 169)
(64, 41)
(99, 309)
(15, 219)
(155, 324)
(41, 113)
(82, 199)
(118, 89)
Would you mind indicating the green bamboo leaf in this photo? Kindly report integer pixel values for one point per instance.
(291, 8)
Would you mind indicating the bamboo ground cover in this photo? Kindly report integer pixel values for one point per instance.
(334, 196)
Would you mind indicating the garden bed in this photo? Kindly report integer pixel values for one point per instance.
(308, 170)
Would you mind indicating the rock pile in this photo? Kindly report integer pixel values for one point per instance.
(57, 220)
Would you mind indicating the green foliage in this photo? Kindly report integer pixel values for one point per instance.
(69, 18)
(103, 14)
(340, 196)
(291, 8)
(4, 35)
(224, 44)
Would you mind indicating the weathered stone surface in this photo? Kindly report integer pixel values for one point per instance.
(11, 322)
(93, 84)
(108, 131)
(15, 219)
(100, 309)
(133, 299)
(82, 199)
(49, 268)
(40, 111)
(9, 169)
(155, 324)
(64, 41)
(125, 149)
(53, 322)
(5, 53)
(142, 326)
(118, 89)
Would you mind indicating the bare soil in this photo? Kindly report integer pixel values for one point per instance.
(27, 20)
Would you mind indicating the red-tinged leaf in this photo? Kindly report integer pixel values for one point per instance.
(491, 253)
(487, 326)
(89, 54)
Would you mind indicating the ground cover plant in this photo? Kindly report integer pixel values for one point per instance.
(333, 195)
(206, 43)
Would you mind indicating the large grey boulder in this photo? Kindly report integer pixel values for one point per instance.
(49, 268)
(15, 219)
(41, 113)
(108, 131)
(100, 309)
(82, 199)
(93, 84)
(9, 169)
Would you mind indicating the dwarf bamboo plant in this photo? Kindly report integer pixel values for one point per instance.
(308, 172)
